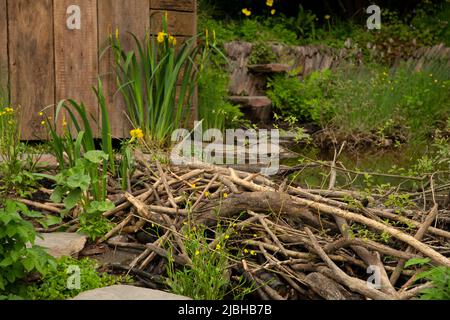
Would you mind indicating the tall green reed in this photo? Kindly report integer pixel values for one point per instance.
(158, 80)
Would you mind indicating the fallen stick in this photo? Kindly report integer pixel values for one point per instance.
(419, 235)
(116, 229)
(343, 243)
(354, 284)
(38, 205)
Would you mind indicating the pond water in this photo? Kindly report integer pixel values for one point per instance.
(382, 161)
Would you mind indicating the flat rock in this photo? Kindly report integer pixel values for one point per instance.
(59, 244)
(269, 68)
(256, 108)
(252, 101)
(123, 292)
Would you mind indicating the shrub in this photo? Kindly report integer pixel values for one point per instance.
(306, 100)
(17, 257)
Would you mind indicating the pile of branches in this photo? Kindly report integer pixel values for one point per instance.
(301, 240)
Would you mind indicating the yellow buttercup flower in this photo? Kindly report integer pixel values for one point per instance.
(327, 17)
(227, 237)
(269, 3)
(246, 12)
(137, 134)
(197, 253)
(43, 123)
(161, 36)
(253, 253)
(207, 194)
(41, 114)
(218, 247)
(225, 195)
(273, 11)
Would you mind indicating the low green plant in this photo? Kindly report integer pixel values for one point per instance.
(400, 202)
(262, 53)
(18, 255)
(56, 284)
(207, 277)
(85, 184)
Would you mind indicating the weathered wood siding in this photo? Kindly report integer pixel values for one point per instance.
(44, 61)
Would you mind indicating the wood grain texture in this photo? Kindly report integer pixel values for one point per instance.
(76, 57)
(31, 61)
(3, 47)
(179, 23)
(176, 5)
(112, 17)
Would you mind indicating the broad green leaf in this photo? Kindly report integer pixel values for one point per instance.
(96, 156)
(72, 199)
(57, 195)
(417, 261)
(81, 181)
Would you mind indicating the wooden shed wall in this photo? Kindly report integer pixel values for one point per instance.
(45, 61)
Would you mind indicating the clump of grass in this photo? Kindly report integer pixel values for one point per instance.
(379, 100)
(208, 278)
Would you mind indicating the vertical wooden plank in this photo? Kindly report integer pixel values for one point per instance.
(3, 47)
(76, 55)
(31, 61)
(124, 16)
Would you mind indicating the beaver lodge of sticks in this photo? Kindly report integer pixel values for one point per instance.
(288, 241)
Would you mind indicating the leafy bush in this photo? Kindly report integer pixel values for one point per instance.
(307, 100)
(438, 276)
(17, 257)
(54, 284)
